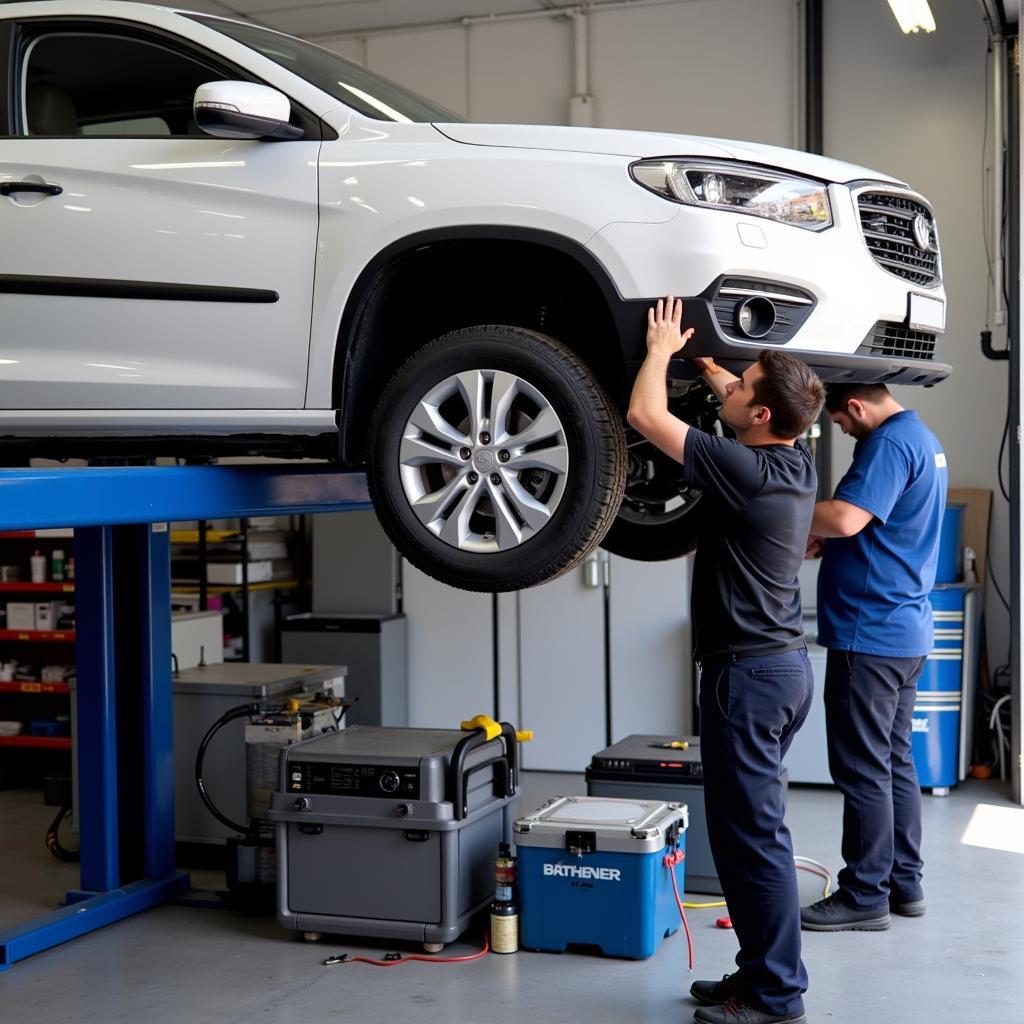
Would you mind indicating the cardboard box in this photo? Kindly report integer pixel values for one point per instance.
(21, 615)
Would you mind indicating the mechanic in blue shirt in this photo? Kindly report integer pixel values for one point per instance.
(879, 539)
(756, 680)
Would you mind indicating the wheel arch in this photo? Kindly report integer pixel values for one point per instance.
(436, 281)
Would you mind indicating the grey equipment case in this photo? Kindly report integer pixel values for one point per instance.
(390, 832)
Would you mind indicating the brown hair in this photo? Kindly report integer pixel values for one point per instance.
(837, 395)
(791, 390)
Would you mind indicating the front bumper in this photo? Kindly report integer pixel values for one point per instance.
(710, 340)
(851, 293)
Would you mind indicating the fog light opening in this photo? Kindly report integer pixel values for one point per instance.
(755, 317)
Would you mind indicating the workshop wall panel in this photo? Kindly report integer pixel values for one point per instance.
(686, 68)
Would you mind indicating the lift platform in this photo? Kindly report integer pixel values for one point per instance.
(125, 746)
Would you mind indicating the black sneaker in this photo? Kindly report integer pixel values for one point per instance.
(737, 1012)
(714, 993)
(907, 908)
(833, 915)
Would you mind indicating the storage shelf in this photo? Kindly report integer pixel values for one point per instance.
(39, 588)
(35, 534)
(62, 636)
(33, 686)
(229, 588)
(42, 742)
(212, 536)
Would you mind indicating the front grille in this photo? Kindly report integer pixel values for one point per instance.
(891, 339)
(887, 221)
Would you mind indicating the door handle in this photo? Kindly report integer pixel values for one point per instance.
(8, 188)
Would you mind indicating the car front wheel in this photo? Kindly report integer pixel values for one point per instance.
(495, 459)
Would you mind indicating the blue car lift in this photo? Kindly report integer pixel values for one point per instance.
(125, 746)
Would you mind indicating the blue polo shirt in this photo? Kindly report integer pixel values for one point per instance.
(873, 587)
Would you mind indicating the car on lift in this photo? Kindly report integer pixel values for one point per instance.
(219, 238)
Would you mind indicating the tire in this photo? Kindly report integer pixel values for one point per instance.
(657, 539)
(660, 516)
(540, 504)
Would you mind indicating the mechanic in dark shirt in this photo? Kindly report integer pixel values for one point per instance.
(756, 682)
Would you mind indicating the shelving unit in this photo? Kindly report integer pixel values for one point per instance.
(43, 707)
(248, 618)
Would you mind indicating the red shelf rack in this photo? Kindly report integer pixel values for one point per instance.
(17, 587)
(33, 686)
(42, 742)
(60, 636)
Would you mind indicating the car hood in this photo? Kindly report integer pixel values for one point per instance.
(637, 145)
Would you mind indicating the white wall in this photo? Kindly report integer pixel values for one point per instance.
(680, 67)
(913, 106)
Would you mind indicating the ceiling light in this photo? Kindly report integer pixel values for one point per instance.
(913, 15)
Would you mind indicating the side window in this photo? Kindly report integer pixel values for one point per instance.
(90, 83)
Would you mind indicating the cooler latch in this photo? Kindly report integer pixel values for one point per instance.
(579, 843)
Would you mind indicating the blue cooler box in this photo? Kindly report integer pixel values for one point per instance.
(592, 872)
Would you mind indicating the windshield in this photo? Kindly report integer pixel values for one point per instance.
(345, 80)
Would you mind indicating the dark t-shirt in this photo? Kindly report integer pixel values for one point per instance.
(760, 501)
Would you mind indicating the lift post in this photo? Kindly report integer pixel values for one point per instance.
(125, 746)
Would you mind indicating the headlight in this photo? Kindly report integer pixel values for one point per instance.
(797, 201)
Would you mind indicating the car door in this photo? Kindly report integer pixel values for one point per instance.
(145, 265)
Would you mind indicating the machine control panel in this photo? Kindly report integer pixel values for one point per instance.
(353, 779)
(668, 765)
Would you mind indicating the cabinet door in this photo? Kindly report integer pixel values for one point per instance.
(451, 651)
(651, 647)
(562, 669)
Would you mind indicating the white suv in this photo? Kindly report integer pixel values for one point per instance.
(219, 238)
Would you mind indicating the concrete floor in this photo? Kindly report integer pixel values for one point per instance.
(962, 962)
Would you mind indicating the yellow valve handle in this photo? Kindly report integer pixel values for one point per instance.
(491, 728)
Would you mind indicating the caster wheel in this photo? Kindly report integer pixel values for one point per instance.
(433, 947)
(312, 936)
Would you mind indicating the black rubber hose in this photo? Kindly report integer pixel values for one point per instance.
(242, 711)
(53, 841)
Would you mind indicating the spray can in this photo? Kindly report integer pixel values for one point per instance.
(57, 564)
(38, 566)
(504, 909)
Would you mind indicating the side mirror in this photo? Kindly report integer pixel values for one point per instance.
(243, 110)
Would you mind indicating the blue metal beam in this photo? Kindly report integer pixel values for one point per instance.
(96, 702)
(112, 496)
(80, 918)
(154, 591)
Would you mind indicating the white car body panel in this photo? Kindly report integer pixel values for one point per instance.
(180, 211)
(641, 145)
(305, 219)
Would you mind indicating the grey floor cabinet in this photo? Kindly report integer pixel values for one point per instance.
(600, 653)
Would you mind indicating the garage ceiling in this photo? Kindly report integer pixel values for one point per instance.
(323, 17)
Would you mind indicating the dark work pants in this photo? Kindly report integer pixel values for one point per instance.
(869, 705)
(750, 709)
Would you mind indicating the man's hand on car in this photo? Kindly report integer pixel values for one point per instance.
(663, 327)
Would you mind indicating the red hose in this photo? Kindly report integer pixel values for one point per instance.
(670, 861)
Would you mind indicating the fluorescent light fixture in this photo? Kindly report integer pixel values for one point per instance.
(913, 15)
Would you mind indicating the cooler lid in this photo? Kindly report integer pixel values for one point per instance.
(609, 824)
(251, 679)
